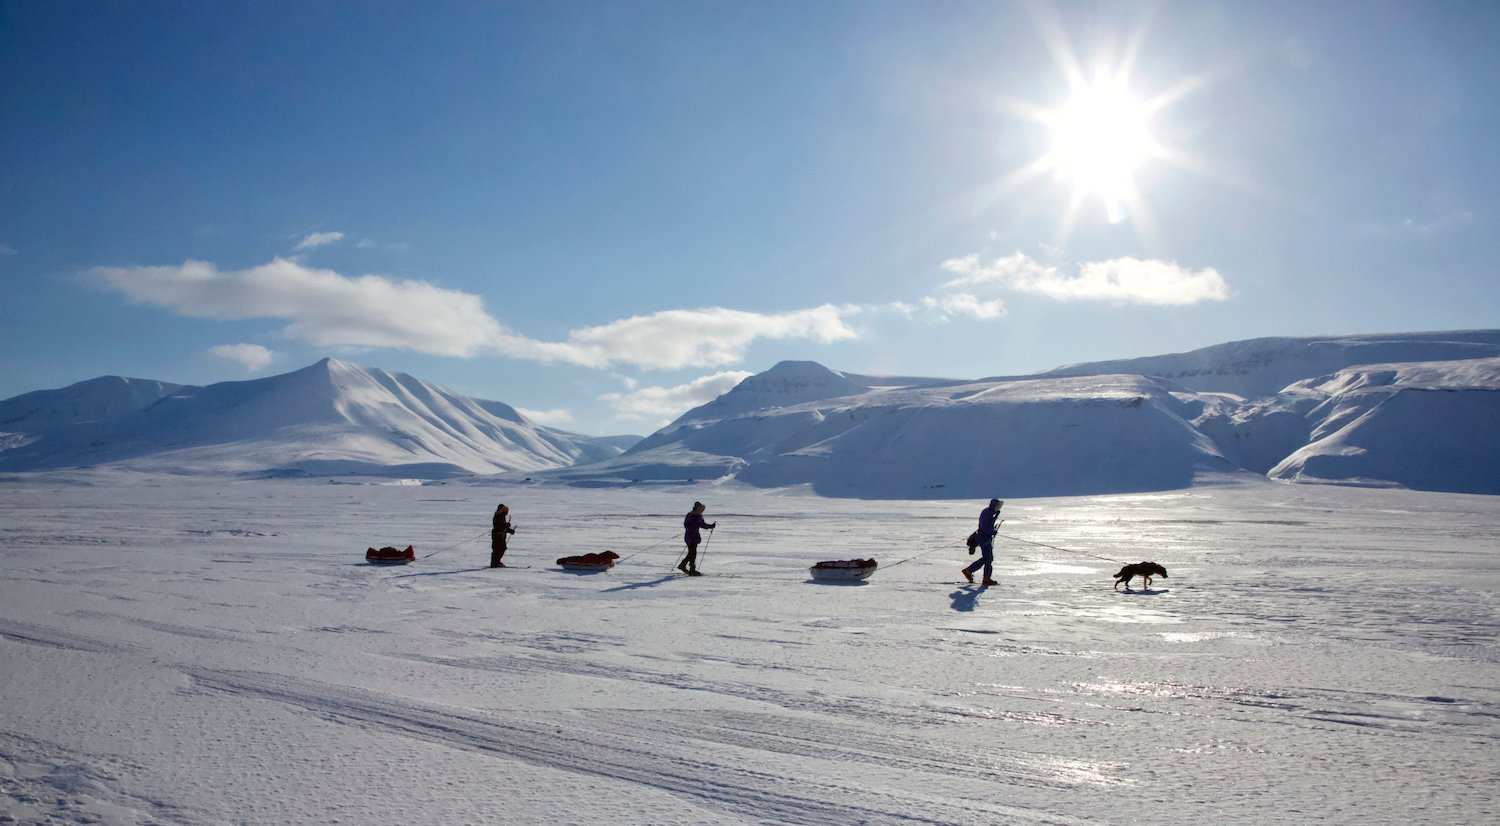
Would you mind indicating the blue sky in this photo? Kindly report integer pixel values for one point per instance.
(606, 213)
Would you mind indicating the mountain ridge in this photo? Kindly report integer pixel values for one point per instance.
(1155, 423)
(1105, 427)
(328, 417)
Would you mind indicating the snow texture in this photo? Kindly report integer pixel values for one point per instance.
(193, 651)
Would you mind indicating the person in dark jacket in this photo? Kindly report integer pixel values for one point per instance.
(986, 536)
(692, 524)
(500, 527)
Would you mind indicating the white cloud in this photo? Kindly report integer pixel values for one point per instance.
(7, 250)
(964, 304)
(663, 404)
(1121, 280)
(328, 309)
(383, 246)
(321, 307)
(1427, 227)
(252, 357)
(674, 339)
(1443, 223)
(318, 239)
(556, 417)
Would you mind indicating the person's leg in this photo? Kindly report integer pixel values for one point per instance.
(690, 561)
(496, 552)
(986, 559)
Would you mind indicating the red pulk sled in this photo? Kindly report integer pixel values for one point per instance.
(390, 556)
(589, 562)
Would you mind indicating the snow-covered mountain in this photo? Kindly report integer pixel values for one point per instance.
(1417, 422)
(1263, 366)
(1419, 410)
(331, 417)
(1428, 426)
(952, 439)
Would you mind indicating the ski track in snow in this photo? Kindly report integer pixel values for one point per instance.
(1315, 654)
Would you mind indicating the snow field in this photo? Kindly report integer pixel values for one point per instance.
(220, 653)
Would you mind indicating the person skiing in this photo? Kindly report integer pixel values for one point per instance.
(692, 524)
(499, 528)
(986, 536)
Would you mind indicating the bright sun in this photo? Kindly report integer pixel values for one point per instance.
(1105, 137)
(1100, 138)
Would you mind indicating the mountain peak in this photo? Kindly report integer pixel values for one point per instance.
(329, 417)
(799, 379)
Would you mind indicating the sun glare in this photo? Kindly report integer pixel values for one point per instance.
(1107, 135)
(1100, 137)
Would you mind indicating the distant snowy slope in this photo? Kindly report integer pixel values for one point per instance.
(1427, 426)
(1008, 438)
(331, 417)
(1261, 367)
(787, 383)
(1422, 423)
(94, 400)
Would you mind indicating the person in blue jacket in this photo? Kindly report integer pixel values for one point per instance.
(692, 524)
(986, 536)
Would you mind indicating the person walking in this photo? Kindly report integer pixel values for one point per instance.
(692, 524)
(986, 535)
(500, 527)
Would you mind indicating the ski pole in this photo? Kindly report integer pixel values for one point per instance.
(704, 555)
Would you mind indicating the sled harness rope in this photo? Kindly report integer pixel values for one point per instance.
(1064, 550)
(455, 545)
(924, 553)
(643, 550)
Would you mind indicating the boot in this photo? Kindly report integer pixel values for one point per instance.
(989, 582)
(968, 576)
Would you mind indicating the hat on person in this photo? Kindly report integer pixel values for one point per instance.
(697, 505)
(995, 502)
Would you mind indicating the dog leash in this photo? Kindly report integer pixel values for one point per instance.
(1064, 550)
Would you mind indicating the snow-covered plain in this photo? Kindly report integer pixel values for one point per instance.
(218, 653)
